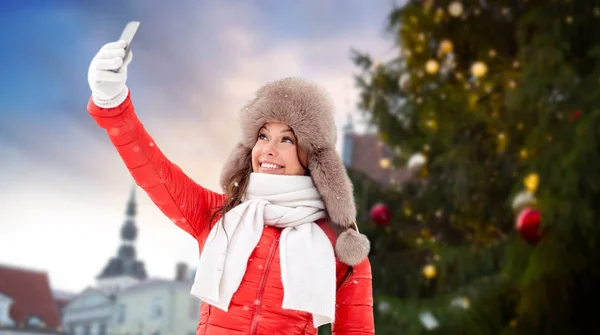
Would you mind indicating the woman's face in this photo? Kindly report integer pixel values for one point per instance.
(276, 151)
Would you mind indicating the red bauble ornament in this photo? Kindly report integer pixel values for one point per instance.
(528, 225)
(575, 115)
(381, 214)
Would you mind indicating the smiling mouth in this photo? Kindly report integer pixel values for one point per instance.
(270, 166)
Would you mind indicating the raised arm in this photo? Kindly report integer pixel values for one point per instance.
(354, 303)
(186, 203)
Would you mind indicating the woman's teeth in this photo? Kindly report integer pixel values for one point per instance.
(270, 166)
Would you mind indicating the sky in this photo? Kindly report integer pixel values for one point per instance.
(63, 187)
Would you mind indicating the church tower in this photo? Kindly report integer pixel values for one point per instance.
(124, 270)
(348, 142)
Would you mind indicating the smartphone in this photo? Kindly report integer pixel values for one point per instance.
(128, 34)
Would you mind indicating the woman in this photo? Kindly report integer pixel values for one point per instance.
(279, 251)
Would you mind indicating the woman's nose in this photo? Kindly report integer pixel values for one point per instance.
(269, 149)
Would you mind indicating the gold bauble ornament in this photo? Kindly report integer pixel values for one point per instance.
(479, 69)
(432, 66)
(429, 271)
(446, 47)
(531, 182)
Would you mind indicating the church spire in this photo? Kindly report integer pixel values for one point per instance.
(125, 265)
(132, 206)
(129, 230)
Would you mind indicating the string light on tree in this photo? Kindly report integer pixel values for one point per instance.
(501, 142)
(439, 15)
(479, 69)
(431, 124)
(455, 8)
(523, 153)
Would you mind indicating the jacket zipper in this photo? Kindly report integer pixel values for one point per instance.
(261, 286)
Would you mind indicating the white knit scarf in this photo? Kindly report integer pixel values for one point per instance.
(289, 202)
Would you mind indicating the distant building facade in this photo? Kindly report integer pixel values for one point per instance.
(27, 306)
(126, 302)
(366, 153)
(157, 307)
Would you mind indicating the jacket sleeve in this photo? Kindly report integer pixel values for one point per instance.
(182, 200)
(354, 310)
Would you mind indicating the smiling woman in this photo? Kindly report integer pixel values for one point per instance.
(276, 151)
(288, 210)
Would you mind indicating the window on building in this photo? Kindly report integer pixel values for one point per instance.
(34, 321)
(121, 314)
(94, 328)
(156, 308)
(102, 328)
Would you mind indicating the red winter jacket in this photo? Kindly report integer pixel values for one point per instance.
(256, 306)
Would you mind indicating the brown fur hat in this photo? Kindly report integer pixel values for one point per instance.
(306, 108)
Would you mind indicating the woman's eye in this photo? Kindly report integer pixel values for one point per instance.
(262, 136)
(288, 139)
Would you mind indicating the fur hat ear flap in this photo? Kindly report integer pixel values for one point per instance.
(352, 247)
(331, 179)
(237, 160)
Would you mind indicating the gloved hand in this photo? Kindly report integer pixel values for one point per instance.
(107, 84)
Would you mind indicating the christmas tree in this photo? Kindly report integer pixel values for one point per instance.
(494, 107)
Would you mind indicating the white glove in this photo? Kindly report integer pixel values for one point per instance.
(107, 84)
